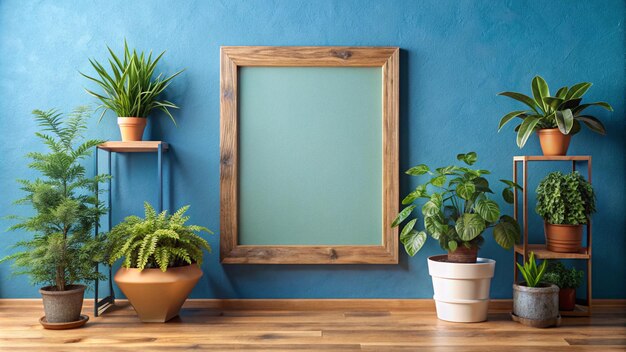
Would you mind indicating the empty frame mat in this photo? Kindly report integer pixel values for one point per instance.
(305, 178)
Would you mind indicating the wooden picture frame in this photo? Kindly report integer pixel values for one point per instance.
(233, 57)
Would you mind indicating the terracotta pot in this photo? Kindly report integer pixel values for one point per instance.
(62, 306)
(132, 128)
(461, 289)
(553, 142)
(567, 299)
(563, 238)
(463, 255)
(157, 296)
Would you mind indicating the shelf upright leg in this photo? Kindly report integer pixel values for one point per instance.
(589, 246)
(525, 206)
(95, 303)
(160, 176)
(515, 200)
(110, 223)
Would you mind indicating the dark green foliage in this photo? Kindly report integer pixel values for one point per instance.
(457, 210)
(559, 275)
(130, 90)
(157, 241)
(533, 274)
(565, 199)
(63, 250)
(563, 111)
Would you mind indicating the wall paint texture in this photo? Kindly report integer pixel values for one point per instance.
(456, 55)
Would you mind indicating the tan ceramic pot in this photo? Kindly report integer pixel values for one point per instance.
(157, 296)
(553, 142)
(563, 238)
(131, 128)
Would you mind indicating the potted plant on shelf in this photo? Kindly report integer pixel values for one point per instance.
(565, 202)
(160, 261)
(535, 303)
(63, 253)
(554, 118)
(131, 91)
(456, 213)
(568, 280)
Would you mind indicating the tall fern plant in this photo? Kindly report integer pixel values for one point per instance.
(130, 88)
(157, 241)
(63, 250)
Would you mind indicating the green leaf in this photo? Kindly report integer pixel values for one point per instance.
(578, 90)
(430, 208)
(448, 170)
(511, 184)
(578, 109)
(466, 190)
(569, 104)
(562, 92)
(413, 241)
(526, 129)
(438, 181)
(565, 120)
(522, 98)
(593, 123)
(488, 210)
(402, 215)
(507, 194)
(540, 91)
(469, 158)
(553, 102)
(452, 245)
(408, 227)
(510, 116)
(469, 226)
(505, 234)
(482, 185)
(417, 170)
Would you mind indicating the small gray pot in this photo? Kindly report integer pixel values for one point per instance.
(62, 306)
(539, 305)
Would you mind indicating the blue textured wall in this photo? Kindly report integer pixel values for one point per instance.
(456, 56)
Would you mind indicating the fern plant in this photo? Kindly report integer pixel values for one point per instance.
(130, 89)
(565, 199)
(532, 273)
(63, 250)
(156, 241)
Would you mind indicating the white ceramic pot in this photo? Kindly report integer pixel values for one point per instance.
(461, 289)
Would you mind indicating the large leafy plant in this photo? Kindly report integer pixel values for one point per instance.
(533, 274)
(565, 199)
(130, 90)
(563, 110)
(559, 275)
(457, 209)
(157, 241)
(63, 250)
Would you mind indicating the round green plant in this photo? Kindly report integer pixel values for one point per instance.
(563, 111)
(457, 209)
(565, 199)
(559, 275)
(130, 88)
(156, 241)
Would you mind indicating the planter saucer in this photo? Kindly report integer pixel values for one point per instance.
(537, 323)
(63, 326)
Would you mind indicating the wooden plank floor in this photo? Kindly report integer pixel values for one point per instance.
(205, 325)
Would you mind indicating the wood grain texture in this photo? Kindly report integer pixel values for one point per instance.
(296, 325)
(232, 58)
(133, 146)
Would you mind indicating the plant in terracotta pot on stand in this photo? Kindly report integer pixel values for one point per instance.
(131, 90)
(457, 211)
(535, 302)
(554, 118)
(161, 258)
(63, 253)
(568, 280)
(565, 202)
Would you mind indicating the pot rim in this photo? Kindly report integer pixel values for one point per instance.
(551, 131)
(159, 269)
(479, 261)
(543, 289)
(47, 290)
(563, 225)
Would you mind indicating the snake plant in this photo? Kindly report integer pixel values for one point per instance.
(563, 110)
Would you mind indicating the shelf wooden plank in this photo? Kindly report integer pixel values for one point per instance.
(133, 147)
(541, 252)
(552, 158)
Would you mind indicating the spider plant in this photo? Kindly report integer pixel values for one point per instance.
(129, 88)
(563, 111)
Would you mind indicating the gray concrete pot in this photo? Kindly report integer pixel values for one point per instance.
(538, 305)
(62, 306)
